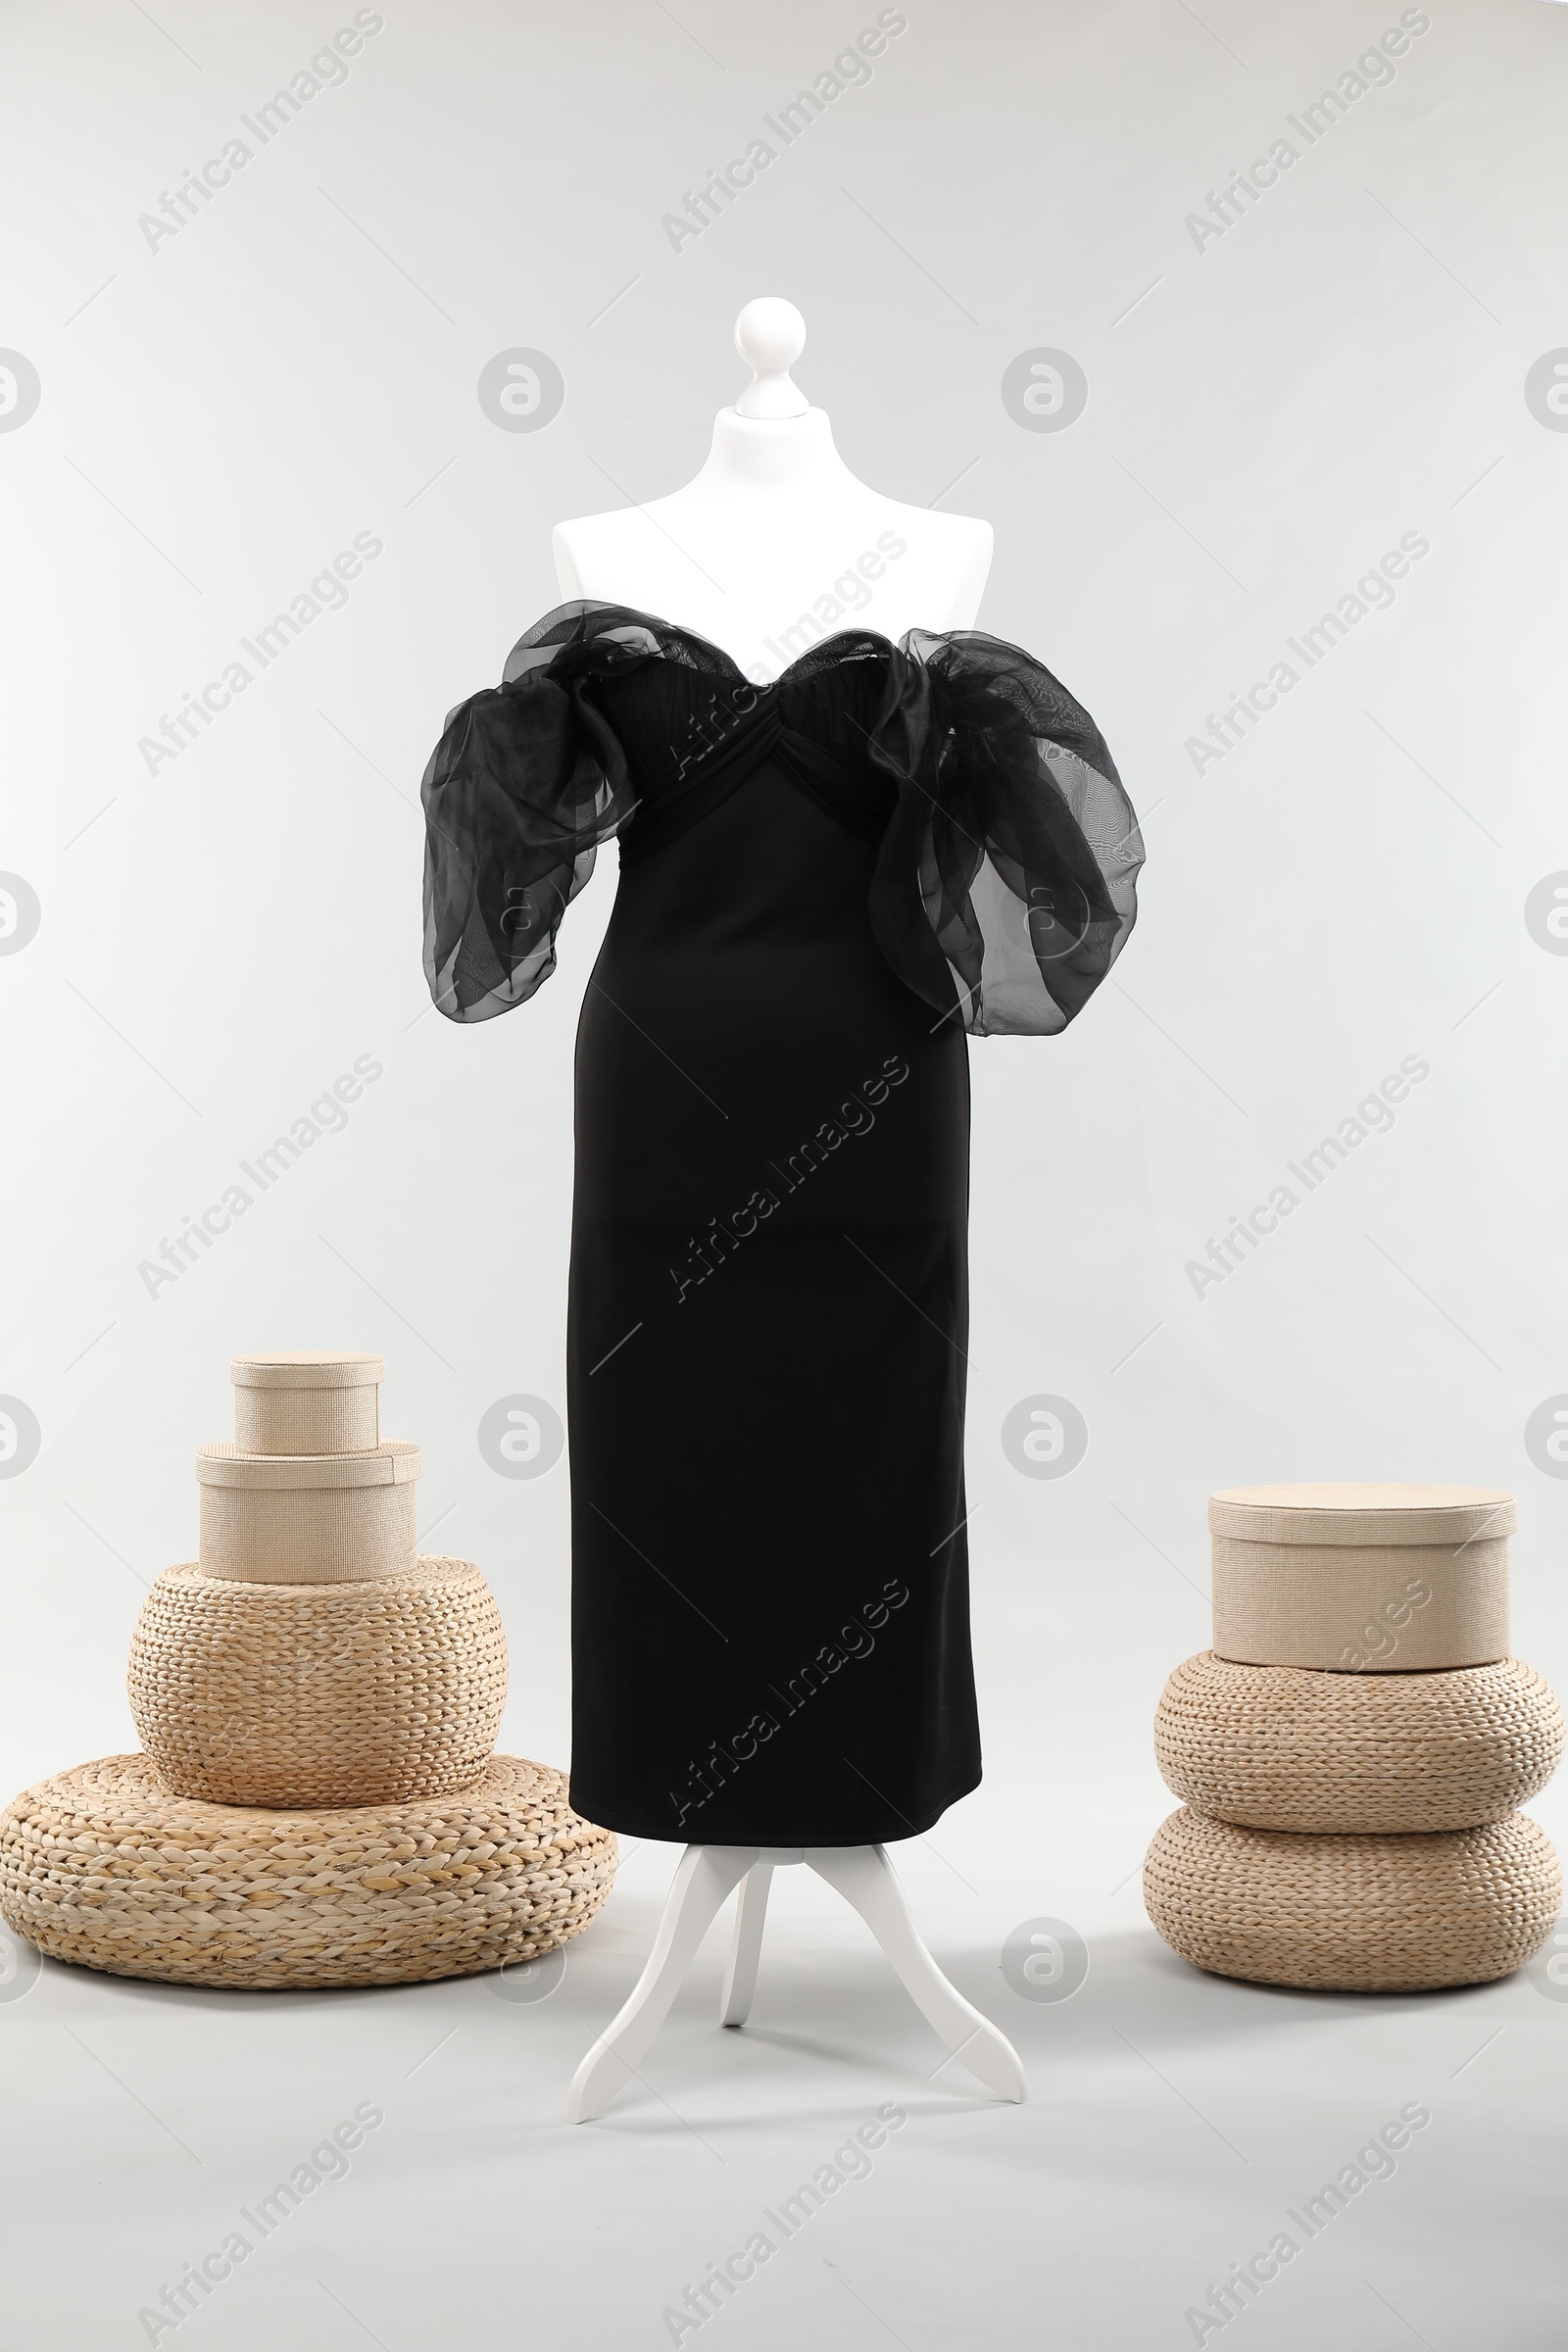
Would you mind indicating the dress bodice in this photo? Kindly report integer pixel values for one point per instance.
(691, 738)
(1007, 851)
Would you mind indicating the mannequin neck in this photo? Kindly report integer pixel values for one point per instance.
(773, 453)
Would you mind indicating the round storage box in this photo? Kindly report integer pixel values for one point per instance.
(1352, 1914)
(303, 1519)
(307, 1403)
(360, 1694)
(1353, 1578)
(1281, 1747)
(102, 1866)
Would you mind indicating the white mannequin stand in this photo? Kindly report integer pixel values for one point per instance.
(773, 531)
(863, 1876)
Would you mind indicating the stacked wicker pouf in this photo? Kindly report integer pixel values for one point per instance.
(318, 1802)
(1352, 1749)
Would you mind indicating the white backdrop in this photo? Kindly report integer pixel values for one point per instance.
(1358, 361)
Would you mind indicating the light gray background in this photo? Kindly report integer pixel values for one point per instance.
(1266, 416)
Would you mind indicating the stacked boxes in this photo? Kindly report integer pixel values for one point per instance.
(1352, 1749)
(318, 1800)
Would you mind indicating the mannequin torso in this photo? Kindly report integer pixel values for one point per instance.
(775, 545)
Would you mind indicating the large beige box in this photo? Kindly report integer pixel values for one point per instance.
(1361, 1579)
(307, 1519)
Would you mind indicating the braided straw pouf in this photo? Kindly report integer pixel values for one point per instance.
(1352, 1914)
(360, 1694)
(102, 1866)
(1281, 1747)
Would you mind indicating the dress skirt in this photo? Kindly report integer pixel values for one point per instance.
(767, 1323)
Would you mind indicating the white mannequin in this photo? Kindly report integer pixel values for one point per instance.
(774, 522)
(775, 530)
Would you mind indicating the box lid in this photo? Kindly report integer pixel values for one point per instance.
(307, 1369)
(393, 1463)
(1361, 1514)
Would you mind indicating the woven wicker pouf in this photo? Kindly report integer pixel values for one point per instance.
(360, 1694)
(1352, 1914)
(1280, 1748)
(104, 1867)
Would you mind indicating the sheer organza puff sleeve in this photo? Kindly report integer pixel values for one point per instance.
(1005, 879)
(524, 784)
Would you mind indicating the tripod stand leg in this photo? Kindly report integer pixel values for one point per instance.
(706, 1875)
(864, 1876)
(740, 1977)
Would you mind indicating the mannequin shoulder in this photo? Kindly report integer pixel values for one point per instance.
(580, 546)
(956, 534)
(945, 561)
(952, 545)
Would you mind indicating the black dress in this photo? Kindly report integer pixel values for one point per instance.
(824, 884)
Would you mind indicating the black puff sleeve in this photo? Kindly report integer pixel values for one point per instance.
(1005, 888)
(524, 784)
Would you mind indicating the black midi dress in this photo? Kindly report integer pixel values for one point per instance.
(825, 883)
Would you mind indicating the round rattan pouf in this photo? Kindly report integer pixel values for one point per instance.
(104, 1867)
(360, 1694)
(1282, 1747)
(1346, 1914)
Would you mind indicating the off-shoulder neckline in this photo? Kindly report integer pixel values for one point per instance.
(872, 641)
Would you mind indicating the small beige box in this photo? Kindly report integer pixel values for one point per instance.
(303, 1519)
(307, 1403)
(1361, 1579)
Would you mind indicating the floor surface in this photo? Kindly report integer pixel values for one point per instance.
(1177, 2125)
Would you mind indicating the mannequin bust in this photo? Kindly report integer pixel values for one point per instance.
(773, 548)
(775, 545)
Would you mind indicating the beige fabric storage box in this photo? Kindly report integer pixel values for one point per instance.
(303, 1404)
(1361, 1579)
(302, 1519)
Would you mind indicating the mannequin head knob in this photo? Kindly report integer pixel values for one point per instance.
(770, 336)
